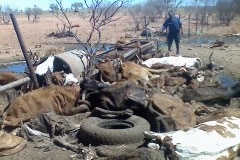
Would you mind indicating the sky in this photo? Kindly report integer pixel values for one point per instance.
(44, 4)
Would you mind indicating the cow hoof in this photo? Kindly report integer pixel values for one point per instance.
(84, 107)
(129, 112)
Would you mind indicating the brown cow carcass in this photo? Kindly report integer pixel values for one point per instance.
(62, 100)
(120, 96)
(167, 113)
(117, 70)
(9, 77)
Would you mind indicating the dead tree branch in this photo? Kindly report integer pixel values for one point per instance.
(103, 13)
(69, 23)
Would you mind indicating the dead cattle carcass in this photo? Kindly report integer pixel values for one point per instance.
(167, 113)
(175, 61)
(111, 121)
(211, 94)
(74, 62)
(116, 70)
(119, 97)
(8, 77)
(61, 100)
(211, 140)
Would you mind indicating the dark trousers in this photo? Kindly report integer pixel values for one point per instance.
(176, 38)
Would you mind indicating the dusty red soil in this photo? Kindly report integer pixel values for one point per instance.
(36, 34)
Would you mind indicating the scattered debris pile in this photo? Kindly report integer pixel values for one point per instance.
(168, 104)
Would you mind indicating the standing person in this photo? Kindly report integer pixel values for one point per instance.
(175, 27)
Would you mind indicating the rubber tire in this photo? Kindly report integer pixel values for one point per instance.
(92, 131)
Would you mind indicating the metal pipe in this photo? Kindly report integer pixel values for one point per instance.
(14, 84)
(24, 50)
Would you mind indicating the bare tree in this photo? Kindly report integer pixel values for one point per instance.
(54, 8)
(177, 3)
(202, 9)
(28, 12)
(1, 15)
(153, 9)
(102, 13)
(36, 12)
(236, 6)
(160, 6)
(76, 7)
(227, 10)
(6, 10)
(135, 12)
(204, 12)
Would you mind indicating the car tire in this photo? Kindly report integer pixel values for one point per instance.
(98, 131)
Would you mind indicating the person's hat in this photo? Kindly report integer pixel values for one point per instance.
(170, 13)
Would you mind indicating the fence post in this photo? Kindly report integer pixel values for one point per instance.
(207, 21)
(196, 24)
(145, 26)
(212, 20)
(24, 50)
(189, 25)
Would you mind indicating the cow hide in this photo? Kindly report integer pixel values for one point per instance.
(113, 72)
(211, 140)
(8, 77)
(43, 67)
(210, 94)
(175, 61)
(120, 96)
(58, 99)
(220, 113)
(7, 97)
(167, 113)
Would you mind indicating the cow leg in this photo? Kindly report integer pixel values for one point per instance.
(165, 124)
(106, 103)
(101, 111)
(79, 109)
(13, 123)
(16, 122)
(79, 102)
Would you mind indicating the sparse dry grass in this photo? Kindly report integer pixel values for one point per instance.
(36, 33)
(233, 28)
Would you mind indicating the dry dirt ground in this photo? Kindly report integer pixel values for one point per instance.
(36, 33)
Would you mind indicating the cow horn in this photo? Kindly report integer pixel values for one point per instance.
(210, 58)
(183, 69)
(101, 79)
(84, 102)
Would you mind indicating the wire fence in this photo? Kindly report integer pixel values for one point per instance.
(197, 24)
